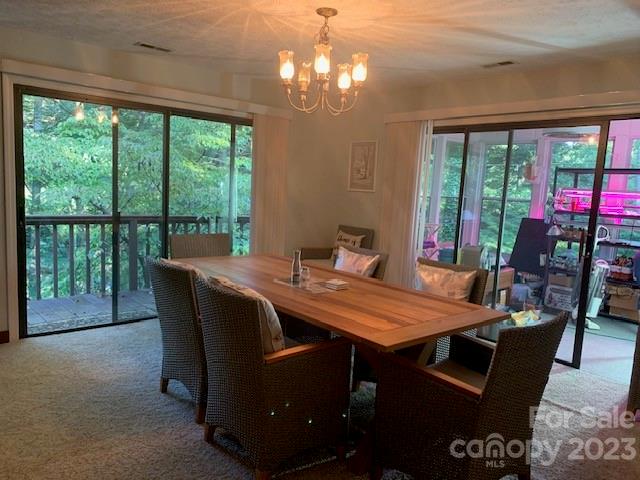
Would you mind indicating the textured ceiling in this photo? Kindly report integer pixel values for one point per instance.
(408, 40)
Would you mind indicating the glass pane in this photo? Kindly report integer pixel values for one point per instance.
(140, 206)
(200, 176)
(614, 289)
(243, 166)
(443, 187)
(572, 160)
(68, 186)
(481, 212)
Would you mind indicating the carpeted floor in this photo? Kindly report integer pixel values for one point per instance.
(86, 405)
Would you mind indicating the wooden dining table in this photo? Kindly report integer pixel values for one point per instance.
(369, 312)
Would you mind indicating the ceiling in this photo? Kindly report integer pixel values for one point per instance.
(409, 41)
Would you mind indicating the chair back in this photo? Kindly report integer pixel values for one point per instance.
(517, 377)
(200, 245)
(382, 263)
(234, 356)
(479, 284)
(178, 316)
(367, 241)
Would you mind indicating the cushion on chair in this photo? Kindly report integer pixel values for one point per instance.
(272, 337)
(349, 261)
(444, 282)
(346, 239)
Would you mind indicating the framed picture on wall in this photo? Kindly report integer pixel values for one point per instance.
(362, 166)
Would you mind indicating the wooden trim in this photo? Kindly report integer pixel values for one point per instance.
(4, 336)
(305, 349)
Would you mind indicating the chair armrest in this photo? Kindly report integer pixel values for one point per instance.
(297, 351)
(474, 353)
(435, 376)
(315, 253)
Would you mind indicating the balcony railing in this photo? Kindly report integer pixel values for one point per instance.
(68, 255)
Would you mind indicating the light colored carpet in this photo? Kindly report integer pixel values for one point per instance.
(86, 405)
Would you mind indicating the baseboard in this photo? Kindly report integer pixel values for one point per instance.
(4, 336)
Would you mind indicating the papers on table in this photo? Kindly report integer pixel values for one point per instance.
(315, 287)
(336, 284)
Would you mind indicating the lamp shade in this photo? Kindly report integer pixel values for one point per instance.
(322, 64)
(555, 231)
(344, 76)
(359, 69)
(304, 76)
(286, 65)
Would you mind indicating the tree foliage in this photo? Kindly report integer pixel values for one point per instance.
(68, 165)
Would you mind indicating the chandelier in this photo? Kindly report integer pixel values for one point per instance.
(349, 75)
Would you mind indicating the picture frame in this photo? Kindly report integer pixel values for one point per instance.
(362, 166)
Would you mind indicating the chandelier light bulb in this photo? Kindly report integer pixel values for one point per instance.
(115, 118)
(359, 72)
(287, 69)
(322, 65)
(344, 76)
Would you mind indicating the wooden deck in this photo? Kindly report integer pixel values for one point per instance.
(56, 314)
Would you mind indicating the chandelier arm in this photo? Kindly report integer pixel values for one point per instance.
(337, 111)
(303, 108)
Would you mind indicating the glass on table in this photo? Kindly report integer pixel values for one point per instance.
(305, 276)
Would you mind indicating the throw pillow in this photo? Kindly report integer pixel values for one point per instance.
(272, 337)
(444, 282)
(353, 262)
(346, 240)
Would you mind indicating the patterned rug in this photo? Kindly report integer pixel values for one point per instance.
(86, 405)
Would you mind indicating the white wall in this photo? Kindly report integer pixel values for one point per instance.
(318, 172)
(618, 74)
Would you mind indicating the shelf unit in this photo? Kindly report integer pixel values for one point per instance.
(615, 222)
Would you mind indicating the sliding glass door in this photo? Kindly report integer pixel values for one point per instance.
(65, 213)
(101, 186)
(139, 170)
(515, 216)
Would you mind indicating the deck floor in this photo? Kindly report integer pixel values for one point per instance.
(57, 314)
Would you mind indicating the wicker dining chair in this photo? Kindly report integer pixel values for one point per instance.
(200, 245)
(634, 389)
(276, 404)
(476, 296)
(182, 348)
(326, 253)
(482, 392)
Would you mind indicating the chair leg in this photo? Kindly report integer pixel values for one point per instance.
(201, 411)
(164, 382)
(209, 431)
(262, 475)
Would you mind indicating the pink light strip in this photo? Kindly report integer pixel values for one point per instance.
(605, 194)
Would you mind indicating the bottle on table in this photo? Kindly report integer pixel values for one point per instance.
(296, 267)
